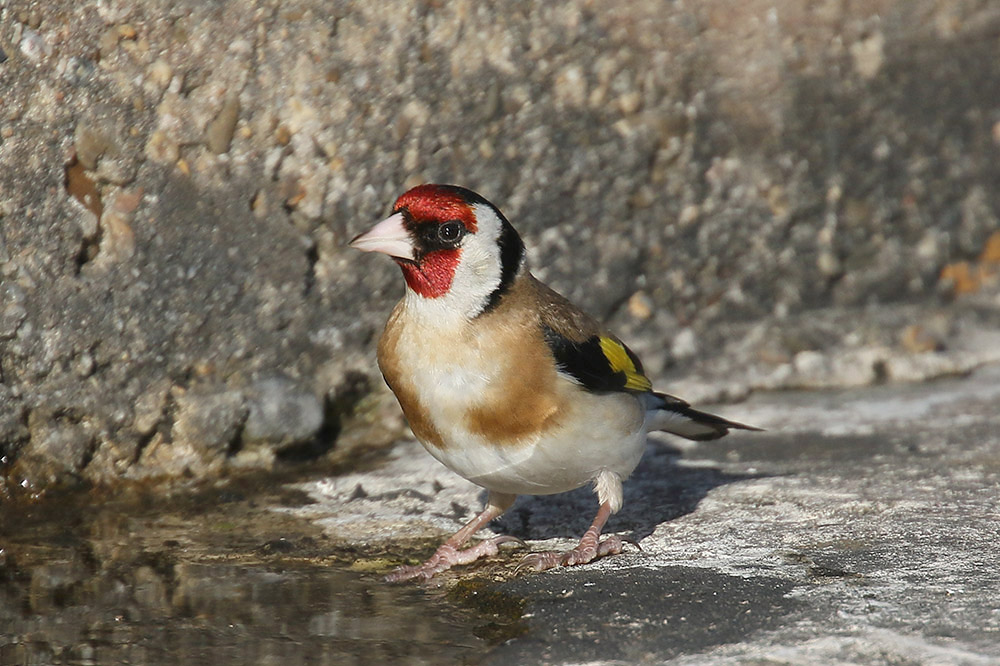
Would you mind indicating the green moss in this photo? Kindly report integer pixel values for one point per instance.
(372, 565)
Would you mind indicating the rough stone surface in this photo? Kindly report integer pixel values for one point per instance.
(860, 528)
(281, 414)
(178, 180)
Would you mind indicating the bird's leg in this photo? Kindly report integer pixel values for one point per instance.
(448, 555)
(589, 549)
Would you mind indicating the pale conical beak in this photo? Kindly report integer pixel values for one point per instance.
(388, 237)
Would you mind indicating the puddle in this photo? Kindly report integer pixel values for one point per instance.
(214, 579)
(63, 612)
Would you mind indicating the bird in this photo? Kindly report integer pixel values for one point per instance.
(505, 381)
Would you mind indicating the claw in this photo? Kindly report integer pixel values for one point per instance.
(501, 540)
(539, 561)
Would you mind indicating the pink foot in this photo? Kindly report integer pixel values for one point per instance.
(448, 556)
(586, 551)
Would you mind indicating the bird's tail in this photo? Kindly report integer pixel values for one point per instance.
(669, 414)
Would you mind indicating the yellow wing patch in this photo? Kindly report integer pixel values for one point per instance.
(620, 361)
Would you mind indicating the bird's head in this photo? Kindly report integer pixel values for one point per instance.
(453, 246)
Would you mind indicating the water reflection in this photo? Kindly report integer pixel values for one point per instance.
(109, 590)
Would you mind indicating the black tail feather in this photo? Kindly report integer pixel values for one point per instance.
(677, 417)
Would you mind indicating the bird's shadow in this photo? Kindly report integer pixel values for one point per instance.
(658, 490)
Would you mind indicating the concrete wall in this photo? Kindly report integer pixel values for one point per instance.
(178, 180)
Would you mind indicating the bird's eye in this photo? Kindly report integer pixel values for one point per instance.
(449, 232)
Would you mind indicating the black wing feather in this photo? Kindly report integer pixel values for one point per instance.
(587, 363)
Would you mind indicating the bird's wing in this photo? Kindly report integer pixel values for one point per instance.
(583, 350)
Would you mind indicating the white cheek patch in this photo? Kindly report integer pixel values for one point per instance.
(476, 276)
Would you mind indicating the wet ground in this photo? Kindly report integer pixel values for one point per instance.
(861, 528)
(215, 578)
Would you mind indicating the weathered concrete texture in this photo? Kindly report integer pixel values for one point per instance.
(178, 179)
(860, 528)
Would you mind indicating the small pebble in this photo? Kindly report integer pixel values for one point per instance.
(91, 143)
(961, 277)
(689, 214)
(220, 131)
(259, 204)
(991, 250)
(828, 263)
(13, 314)
(640, 305)
(161, 148)
(629, 103)
(117, 237)
(79, 70)
(33, 45)
(869, 55)
(160, 73)
(282, 135)
(108, 42)
(282, 411)
(685, 344)
(917, 339)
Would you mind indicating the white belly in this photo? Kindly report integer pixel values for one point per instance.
(604, 432)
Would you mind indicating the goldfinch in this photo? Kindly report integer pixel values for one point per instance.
(506, 382)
